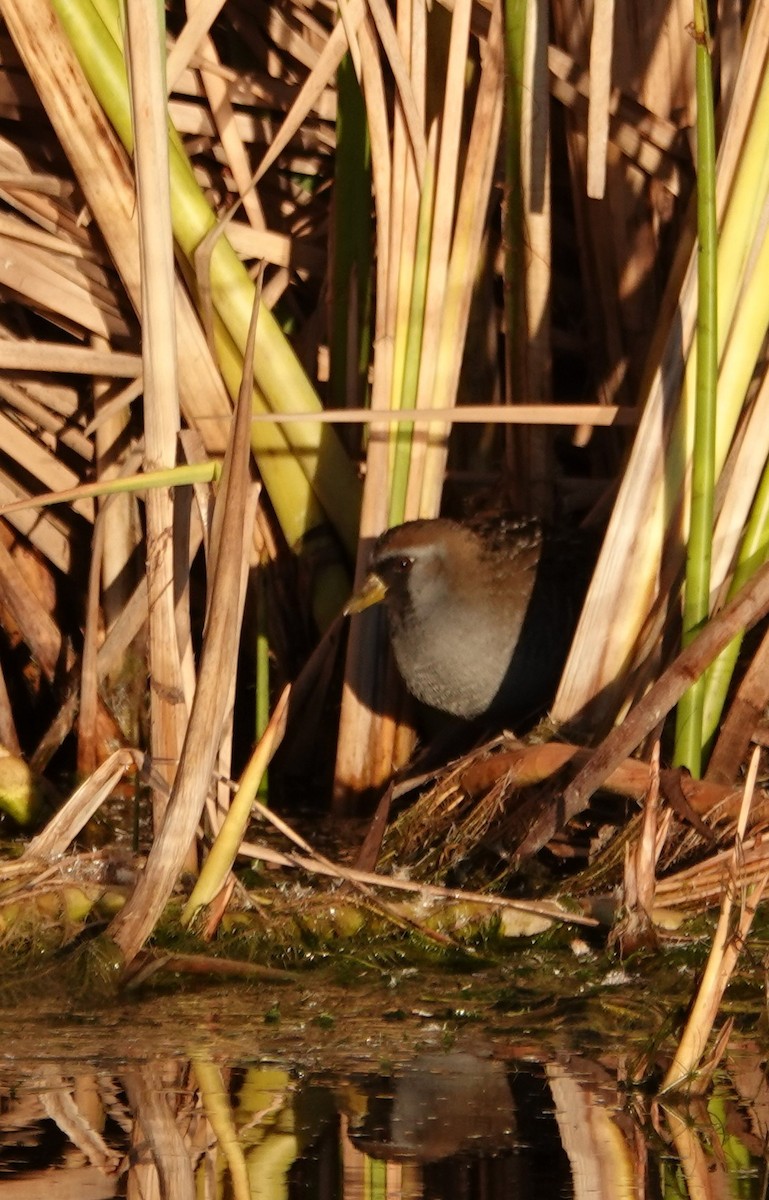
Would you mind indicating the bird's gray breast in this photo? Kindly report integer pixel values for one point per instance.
(457, 658)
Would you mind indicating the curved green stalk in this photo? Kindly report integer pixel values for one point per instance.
(277, 371)
(227, 843)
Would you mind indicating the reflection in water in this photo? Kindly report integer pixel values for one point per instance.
(438, 1106)
(440, 1126)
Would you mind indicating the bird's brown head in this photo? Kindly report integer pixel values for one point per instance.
(419, 563)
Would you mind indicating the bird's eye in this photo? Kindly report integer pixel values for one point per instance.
(402, 564)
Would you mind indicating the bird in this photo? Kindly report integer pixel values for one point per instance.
(480, 612)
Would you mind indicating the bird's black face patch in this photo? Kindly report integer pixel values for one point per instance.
(395, 569)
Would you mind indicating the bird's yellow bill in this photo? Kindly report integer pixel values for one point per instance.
(373, 591)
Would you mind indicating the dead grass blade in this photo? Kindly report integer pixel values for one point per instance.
(728, 940)
(549, 910)
(28, 355)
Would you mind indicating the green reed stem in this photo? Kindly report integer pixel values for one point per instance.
(689, 730)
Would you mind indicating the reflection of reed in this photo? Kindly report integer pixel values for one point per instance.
(162, 1157)
(76, 1108)
(604, 1158)
(452, 1124)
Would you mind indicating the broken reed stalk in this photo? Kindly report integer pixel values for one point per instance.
(728, 940)
(636, 928)
(145, 40)
(748, 606)
(75, 814)
(524, 765)
(700, 886)
(136, 921)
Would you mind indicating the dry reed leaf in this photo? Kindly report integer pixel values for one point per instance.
(81, 806)
(168, 712)
(33, 274)
(410, 110)
(532, 349)
(28, 355)
(601, 45)
(50, 426)
(12, 226)
(43, 465)
(46, 532)
(201, 17)
(313, 87)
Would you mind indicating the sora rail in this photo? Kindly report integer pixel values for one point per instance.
(480, 613)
